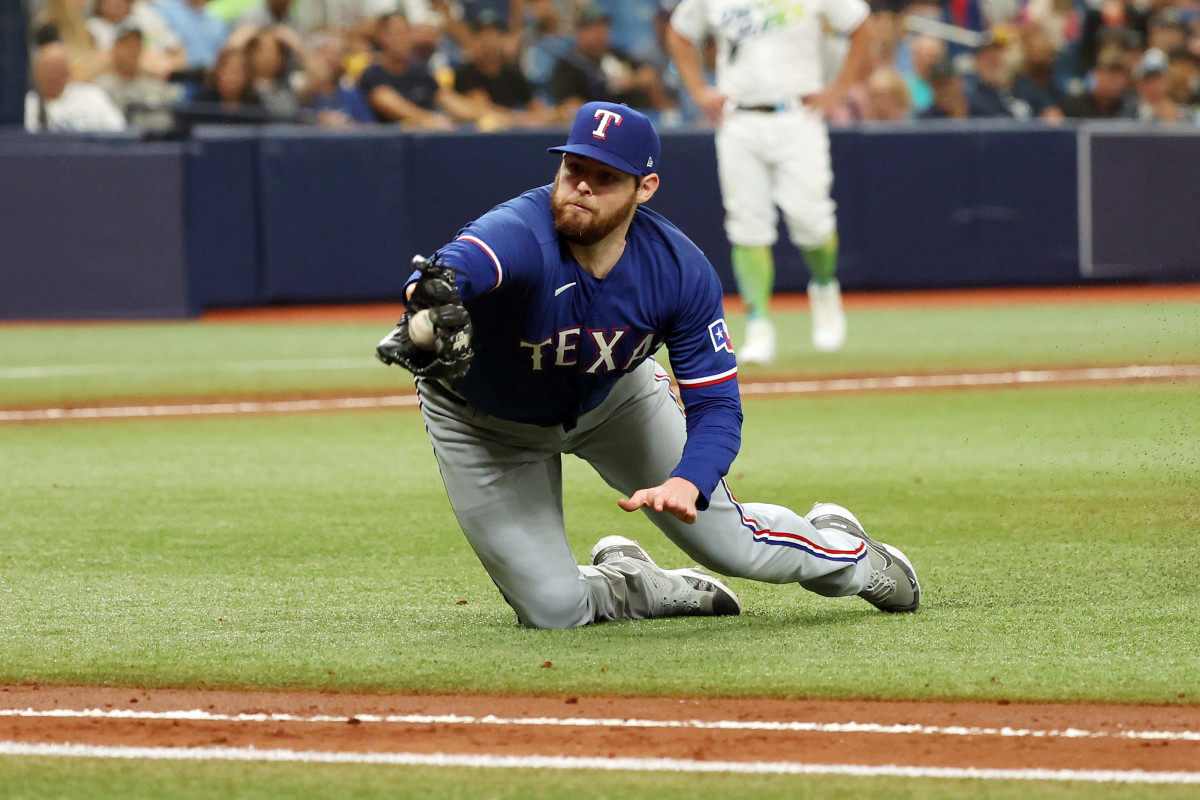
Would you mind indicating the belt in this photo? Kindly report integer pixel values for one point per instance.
(773, 108)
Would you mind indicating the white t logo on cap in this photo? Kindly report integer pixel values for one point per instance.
(605, 116)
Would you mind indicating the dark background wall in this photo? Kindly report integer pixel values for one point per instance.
(295, 215)
(92, 230)
(14, 61)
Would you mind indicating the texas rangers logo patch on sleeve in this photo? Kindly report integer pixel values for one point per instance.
(720, 336)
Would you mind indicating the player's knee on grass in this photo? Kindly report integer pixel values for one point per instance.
(558, 605)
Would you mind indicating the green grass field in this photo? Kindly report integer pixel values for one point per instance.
(1053, 527)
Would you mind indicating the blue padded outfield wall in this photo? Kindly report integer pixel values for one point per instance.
(92, 229)
(241, 217)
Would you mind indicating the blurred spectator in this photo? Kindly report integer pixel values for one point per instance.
(1150, 79)
(545, 37)
(162, 52)
(283, 70)
(501, 91)
(65, 21)
(56, 103)
(144, 99)
(430, 48)
(227, 95)
(925, 51)
(401, 90)
(1165, 30)
(949, 99)
(1060, 20)
(335, 97)
(596, 70)
(887, 96)
(1111, 22)
(632, 25)
(306, 16)
(1108, 93)
(473, 12)
(1183, 77)
(999, 91)
(266, 14)
(106, 16)
(202, 34)
(1040, 60)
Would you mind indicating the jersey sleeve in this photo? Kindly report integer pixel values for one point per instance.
(689, 20)
(496, 251)
(844, 16)
(706, 370)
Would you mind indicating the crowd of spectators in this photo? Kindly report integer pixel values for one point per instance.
(162, 65)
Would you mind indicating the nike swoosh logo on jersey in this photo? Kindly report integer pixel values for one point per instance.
(562, 289)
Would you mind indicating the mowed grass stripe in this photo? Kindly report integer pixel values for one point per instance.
(1128, 374)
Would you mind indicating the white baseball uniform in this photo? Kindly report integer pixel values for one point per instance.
(771, 150)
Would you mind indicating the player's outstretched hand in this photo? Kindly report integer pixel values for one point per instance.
(677, 497)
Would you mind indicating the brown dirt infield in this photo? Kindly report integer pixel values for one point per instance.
(1028, 744)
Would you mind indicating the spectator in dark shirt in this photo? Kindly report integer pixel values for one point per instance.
(949, 100)
(495, 84)
(1040, 63)
(598, 71)
(400, 90)
(1000, 92)
(1108, 94)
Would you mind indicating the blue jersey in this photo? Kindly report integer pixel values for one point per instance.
(550, 340)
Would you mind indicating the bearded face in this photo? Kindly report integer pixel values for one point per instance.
(586, 219)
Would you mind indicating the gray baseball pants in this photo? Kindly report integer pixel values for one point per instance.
(504, 481)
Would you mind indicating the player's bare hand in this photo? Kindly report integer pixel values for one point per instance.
(676, 497)
(823, 102)
(711, 102)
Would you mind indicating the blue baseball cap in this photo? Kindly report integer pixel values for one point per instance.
(615, 134)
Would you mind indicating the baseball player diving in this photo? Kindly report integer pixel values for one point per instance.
(771, 100)
(532, 334)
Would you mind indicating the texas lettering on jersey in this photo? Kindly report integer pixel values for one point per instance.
(598, 351)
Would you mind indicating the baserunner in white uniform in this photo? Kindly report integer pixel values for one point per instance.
(772, 145)
(533, 335)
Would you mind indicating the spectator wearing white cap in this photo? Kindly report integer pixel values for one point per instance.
(1150, 81)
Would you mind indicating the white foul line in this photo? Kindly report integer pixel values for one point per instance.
(198, 715)
(881, 383)
(209, 409)
(1010, 378)
(594, 763)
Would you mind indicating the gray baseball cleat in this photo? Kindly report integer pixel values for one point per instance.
(697, 594)
(893, 584)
